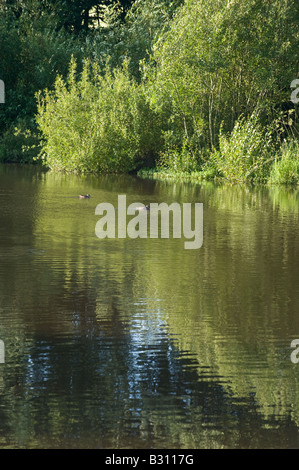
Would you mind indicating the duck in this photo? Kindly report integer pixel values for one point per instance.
(142, 208)
(84, 196)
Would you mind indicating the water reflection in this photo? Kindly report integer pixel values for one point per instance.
(140, 343)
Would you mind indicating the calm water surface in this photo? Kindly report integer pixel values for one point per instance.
(141, 343)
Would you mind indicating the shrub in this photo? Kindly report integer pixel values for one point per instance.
(19, 143)
(285, 169)
(96, 122)
(246, 154)
(177, 159)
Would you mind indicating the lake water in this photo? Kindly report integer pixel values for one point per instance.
(141, 343)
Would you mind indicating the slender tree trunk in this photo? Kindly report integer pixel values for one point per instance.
(211, 105)
(86, 19)
(216, 114)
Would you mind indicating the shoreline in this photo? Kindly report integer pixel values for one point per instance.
(202, 177)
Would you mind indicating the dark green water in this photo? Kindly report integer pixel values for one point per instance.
(125, 343)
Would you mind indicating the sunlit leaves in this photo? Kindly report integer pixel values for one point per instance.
(97, 122)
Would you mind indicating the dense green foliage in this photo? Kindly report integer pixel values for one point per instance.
(76, 16)
(135, 36)
(199, 86)
(100, 122)
(32, 53)
(221, 60)
(285, 169)
(246, 153)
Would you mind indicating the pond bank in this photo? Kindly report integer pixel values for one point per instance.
(291, 180)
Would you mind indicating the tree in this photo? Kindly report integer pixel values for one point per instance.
(78, 15)
(74, 15)
(220, 59)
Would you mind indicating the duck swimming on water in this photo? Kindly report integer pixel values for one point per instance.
(84, 196)
(140, 208)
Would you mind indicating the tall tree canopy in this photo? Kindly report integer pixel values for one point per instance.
(74, 15)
